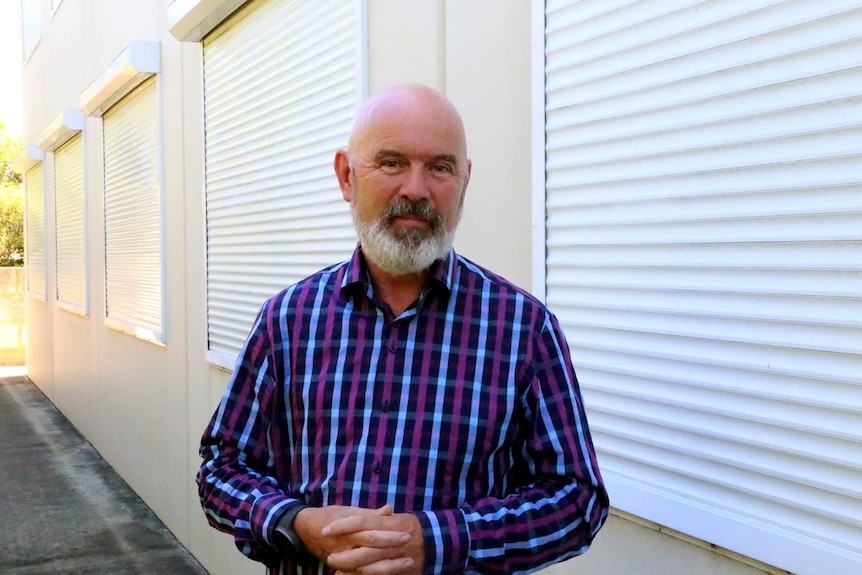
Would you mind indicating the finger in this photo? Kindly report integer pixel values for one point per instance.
(352, 522)
(378, 539)
(357, 523)
(355, 558)
(373, 538)
(368, 561)
(388, 567)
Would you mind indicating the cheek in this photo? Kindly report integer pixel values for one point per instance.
(368, 205)
(375, 189)
(449, 204)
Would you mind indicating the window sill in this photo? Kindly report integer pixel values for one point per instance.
(151, 335)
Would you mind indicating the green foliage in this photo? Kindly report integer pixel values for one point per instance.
(11, 203)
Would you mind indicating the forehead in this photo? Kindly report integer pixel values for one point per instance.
(411, 127)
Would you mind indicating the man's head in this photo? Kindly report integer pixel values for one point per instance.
(405, 172)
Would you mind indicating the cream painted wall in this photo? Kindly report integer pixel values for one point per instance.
(406, 45)
(488, 79)
(144, 406)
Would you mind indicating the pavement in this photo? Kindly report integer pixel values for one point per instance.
(63, 509)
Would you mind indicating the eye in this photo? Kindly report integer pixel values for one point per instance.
(442, 168)
(390, 165)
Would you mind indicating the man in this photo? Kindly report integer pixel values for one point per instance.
(405, 411)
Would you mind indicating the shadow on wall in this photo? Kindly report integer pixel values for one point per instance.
(12, 323)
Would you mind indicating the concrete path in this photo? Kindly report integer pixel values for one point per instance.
(63, 510)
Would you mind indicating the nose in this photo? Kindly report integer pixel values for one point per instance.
(416, 185)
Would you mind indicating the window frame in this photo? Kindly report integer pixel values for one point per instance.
(33, 19)
(26, 162)
(65, 126)
(136, 63)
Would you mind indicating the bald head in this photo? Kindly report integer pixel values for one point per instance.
(410, 105)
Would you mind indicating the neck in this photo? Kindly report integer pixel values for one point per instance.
(398, 291)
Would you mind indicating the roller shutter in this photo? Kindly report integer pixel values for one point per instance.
(35, 256)
(281, 83)
(133, 214)
(70, 234)
(704, 253)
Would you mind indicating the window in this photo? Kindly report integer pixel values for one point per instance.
(133, 214)
(31, 26)
(281, 82)
(126, 97)
(703, 195)
(35, 236)
(69, 200)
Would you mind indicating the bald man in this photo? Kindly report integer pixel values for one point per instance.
(405, 411)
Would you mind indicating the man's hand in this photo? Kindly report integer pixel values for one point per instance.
(363, 541)
(372, 558)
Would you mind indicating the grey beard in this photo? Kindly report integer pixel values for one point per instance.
(405, 253)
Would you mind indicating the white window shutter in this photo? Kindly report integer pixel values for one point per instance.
(704, 254)
(71, 289)
(281, 85)
(133, 215)
(35, 236)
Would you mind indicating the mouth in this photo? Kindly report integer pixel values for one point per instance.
(411, 221)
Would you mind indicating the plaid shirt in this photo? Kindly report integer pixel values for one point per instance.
(464, 410)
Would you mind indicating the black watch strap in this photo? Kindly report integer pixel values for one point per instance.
(286, 540)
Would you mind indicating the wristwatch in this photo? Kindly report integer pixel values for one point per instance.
(286, 540)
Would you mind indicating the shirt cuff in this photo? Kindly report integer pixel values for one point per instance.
(265, 513)
(447, 540)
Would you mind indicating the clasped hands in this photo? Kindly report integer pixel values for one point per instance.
(353, 540)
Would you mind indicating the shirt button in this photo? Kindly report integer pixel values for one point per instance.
(393, 347)
(385, 406)
(376, 467)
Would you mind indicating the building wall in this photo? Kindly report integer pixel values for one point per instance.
(144, 406)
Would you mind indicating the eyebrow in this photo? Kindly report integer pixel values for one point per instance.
(450, 158)
(388, 154)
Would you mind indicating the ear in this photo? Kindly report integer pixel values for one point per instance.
(342, 172)
(467, 179)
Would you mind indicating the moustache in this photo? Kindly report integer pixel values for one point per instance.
(408, 208)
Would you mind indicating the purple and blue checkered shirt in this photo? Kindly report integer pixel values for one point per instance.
(464, 410)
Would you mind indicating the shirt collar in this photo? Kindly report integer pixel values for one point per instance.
(356, 272)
